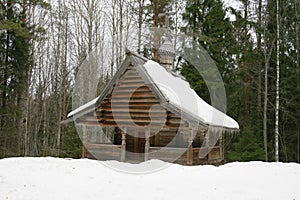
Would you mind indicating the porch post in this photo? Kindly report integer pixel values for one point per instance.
(221, 146)
(84, 141)
(190, 147)
(123, 145)
(207, 144)
(147, 143)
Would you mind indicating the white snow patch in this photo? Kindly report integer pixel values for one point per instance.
(236, 5)
(77, 110)
(61, 179)
(179, 92)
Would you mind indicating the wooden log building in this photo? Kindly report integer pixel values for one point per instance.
(148, 112)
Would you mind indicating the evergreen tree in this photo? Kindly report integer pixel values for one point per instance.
(208, 27)
(16, 62)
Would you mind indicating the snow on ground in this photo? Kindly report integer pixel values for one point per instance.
(53, 178)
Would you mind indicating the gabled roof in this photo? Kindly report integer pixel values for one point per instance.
(175, 94)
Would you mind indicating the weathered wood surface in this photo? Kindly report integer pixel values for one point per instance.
(104, 151)
(167, 154)
(209, 154)
(132, 104)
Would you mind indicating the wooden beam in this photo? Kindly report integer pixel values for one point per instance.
(84, 141)
(147, 143)
(126, 109)
(190, 147)
(131, 114)
(123, 145)
(207, 144)
(149, 100)
(221, 146)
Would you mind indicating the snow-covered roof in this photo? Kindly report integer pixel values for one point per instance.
(175, 90)
(83, 107)
(179, 93)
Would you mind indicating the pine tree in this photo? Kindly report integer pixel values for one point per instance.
(208, 27)
(16, 62)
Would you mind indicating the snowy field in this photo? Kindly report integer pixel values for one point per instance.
(55, 179)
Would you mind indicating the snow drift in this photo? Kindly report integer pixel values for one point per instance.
(53, 178)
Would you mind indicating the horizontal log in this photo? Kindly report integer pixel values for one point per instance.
(146, 121)
(145, 106)
(132, 95)
(149, 100)
(132, 104)
(118, 117)
(105, 155)
(126, 124)
(168, 134)
(132, 114)
(134, 120)
(136, 98)
(125, 81)
(166, 153)
(131, 77)
(215, 148)
(132, 74)
(102, 146)
(135, 84)
(126, 109)
(130, 90)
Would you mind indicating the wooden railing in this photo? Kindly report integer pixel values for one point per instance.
(168, 154)
(208, 153)
(104, 151)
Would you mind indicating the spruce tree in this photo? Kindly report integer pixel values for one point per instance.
(16, 62)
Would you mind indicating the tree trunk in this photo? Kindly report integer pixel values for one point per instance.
(297, 7)
(246, 81)
(265, 108)
(259, 59)
(156, 34)
(140, 21)
(277, 86)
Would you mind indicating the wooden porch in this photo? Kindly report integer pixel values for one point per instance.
(211, 155)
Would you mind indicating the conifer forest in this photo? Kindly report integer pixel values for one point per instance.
(255, 45)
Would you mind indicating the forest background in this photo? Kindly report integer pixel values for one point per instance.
(43, 43)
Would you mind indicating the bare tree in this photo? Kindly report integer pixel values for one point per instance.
(297, 7)
(277, 84)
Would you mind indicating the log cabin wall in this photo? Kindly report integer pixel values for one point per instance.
(132, 104)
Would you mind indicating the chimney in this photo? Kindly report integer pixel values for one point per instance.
(167, 54)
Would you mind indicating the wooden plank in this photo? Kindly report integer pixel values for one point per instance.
(126, 87)
(102, 146)
(190, 148)
(166, 153)
(132, 95)
(84, 152)
(129, 118)
(146, 114)
(132, 115)
(126, 124)
(123, 146)
(130, 90)
(135, 84)
(126, 109)
(131, 81)
(133, 105)
(149, 100)
(147, 144)
(211, 153)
